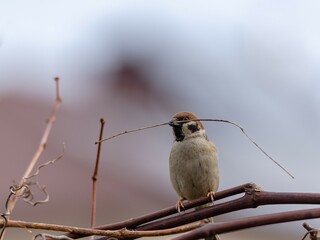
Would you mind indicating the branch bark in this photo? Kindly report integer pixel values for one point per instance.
(249, 200)
(133, 223)
(244, 223)
(42, 145)
(121, 233)
(253, 198)
(141, 226)
(12, 199)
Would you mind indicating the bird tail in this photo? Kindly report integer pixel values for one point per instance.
(210, 220)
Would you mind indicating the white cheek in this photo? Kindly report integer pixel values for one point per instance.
(185, 129)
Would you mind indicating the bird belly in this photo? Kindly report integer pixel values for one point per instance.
(194, 169)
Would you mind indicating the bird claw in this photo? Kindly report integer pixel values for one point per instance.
(212, 196)
(180, 205)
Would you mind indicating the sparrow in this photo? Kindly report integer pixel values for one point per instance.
(193, 160)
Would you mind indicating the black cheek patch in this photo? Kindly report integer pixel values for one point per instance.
(178, 133)
(193, 127)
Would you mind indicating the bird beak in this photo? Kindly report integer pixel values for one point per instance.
(173, 123)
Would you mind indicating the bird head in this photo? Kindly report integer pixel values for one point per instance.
(185, 125)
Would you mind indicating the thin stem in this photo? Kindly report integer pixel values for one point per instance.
(131, 131)
(89, 231)
(42, 146)
(208, 120)
(95, 176)
(251, 140)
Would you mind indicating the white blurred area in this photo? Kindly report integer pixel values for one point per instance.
(136, 63)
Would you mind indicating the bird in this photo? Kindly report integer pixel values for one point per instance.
(193, 161)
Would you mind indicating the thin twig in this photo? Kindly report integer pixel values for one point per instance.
(88, 231)
(251, 140)
(95, 176)
(42, 146)
(208, 120)
(131, 131)
(24, 190)
(43, 141)
(47, 163)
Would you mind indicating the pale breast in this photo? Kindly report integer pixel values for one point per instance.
(194, 168)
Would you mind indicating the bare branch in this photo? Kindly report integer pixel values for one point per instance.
(42, 144)
(244, 223)
(87, 231)
(133, 223)
(249, 200)
(209, 120)
(23, 188)
(95, 176)
(131, 131)
(253, 198)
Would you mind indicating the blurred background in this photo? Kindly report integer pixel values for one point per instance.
(136, 63)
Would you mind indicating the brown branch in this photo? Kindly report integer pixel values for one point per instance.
(22, 186)
(252, 199)
(42, 144)
(95, 176)
(249, 222)
(249, 200)
(11, 202)
(123, 233)
(256, 199)
(133, 223)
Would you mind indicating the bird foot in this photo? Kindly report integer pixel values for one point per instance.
(180, 205)
(212, 196)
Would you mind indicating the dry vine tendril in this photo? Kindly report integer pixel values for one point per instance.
(208, 120)
(24, 190)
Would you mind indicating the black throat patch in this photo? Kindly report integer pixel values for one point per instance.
(178, 133)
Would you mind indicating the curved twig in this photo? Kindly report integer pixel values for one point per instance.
(208, 120)
(47, 163)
